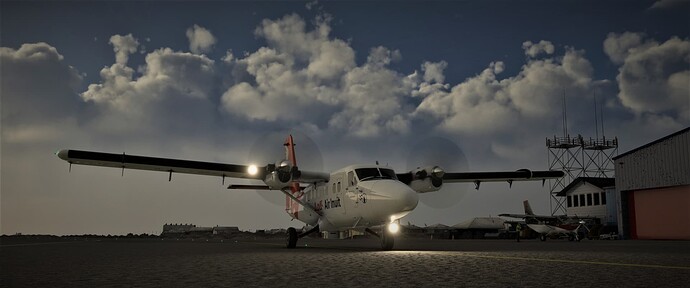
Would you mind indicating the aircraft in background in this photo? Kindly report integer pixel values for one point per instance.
(551, 225)
(356, 197)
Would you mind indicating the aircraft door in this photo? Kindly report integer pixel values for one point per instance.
(353, 193)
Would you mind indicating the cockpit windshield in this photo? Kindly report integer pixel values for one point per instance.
(365, 174)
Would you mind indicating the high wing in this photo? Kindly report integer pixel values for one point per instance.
(526, 216)
(125, 161)
(438, 176)
(519, 175)
(159, 164)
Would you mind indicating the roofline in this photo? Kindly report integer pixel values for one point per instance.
(652, 143)
(579, 180)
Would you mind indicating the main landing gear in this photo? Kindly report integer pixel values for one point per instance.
(292, 236)
(387, 238)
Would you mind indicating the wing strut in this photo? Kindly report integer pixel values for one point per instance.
(287, 191)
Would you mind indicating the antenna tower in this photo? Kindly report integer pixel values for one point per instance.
(578, 157)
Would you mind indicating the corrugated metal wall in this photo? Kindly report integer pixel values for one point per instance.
(662, 164)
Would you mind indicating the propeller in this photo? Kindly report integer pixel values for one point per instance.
(444, 153)
(269, 149)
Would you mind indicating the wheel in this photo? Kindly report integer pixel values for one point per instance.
(542, 237)
(571, 238)
(291, 238)
(387, 241)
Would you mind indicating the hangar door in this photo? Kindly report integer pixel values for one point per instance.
(662, 213)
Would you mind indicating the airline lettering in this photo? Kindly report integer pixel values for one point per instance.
(332, 203)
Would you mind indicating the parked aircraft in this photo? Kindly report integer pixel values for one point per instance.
(547, 225)
(359, 197)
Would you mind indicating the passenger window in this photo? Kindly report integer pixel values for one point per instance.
(596, 199)
(582, 200)
(338, 186)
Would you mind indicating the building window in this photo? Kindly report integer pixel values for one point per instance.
(582, 200)
(596, 199)
(575, 202)
(589, 199)
(570, 201)
(603, 198)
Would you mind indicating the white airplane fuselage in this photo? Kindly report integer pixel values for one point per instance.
(352, 201)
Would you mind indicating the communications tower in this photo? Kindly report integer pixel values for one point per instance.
(578, 157)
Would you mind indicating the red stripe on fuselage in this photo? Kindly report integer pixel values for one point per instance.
(291, 205)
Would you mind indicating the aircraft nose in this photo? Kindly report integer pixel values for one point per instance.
(400, 197)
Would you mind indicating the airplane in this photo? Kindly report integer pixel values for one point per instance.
(356, 197)
(547, 225)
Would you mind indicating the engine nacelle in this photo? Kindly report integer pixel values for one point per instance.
(280, 175)
(427, 179)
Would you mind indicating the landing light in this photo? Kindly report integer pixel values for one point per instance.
(393, 227)
(252, 170)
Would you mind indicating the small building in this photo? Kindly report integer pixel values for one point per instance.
(653, 182)
(176, 229)
(225, 230)
(592, 197)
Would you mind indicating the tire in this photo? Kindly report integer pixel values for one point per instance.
(387, 241)
(542, 237)
(291, 238)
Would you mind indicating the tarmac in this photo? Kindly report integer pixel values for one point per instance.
(343, 263)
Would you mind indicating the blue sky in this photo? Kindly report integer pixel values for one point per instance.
(363, 80)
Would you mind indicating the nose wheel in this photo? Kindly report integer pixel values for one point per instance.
(387, 240)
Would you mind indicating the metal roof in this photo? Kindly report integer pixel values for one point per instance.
(652, 143)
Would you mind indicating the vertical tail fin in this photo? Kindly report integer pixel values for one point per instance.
(291, 206)
(528, 208)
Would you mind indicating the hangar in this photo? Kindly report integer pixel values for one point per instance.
(653, 182)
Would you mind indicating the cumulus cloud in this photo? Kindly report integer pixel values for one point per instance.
(37, 85)
(123, 46)
(306, 76)
(200, 39)
(167, 82)
(483, 103)
(654, 76)
(433, 72)
(534, 49)
(618, 46)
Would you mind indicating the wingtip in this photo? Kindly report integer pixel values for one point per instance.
(62, 154)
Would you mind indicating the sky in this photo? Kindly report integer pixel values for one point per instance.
(471, 85)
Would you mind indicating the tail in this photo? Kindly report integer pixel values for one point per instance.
(528, 209)
(291, 206)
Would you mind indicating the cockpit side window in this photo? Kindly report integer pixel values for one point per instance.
(351, 180)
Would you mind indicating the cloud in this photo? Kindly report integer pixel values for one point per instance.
(433, 72)
(36, 85)
(534, 49)
(305, 76)
(171, 86)
(654, 76)
(617, 46)
(200, 39)
(123, 46)
(483, 104)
